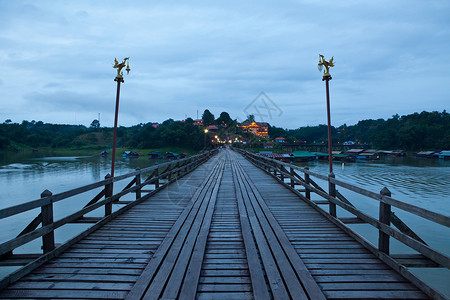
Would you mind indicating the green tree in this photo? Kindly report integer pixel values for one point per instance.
(95, 124)
(250, 118)
(208, 117)
(224, 119)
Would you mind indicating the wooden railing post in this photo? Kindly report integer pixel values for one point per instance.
(157, 180)
(138, 183)
(108, 193)
(332, 193)
(292, 172)
(48, 240)
(385, 218)
(307, 191)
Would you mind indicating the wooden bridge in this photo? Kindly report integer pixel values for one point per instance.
(219, 225)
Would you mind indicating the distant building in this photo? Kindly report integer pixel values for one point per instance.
(256, 128)
(279, 140)
(155, 125)
(212, 128)
(268, 145)
(198, 122)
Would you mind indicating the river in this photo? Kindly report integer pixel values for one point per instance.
(422, 182)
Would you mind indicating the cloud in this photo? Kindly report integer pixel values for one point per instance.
(390, 58)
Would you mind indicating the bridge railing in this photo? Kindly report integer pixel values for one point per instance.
(156, 177)
(427, 256)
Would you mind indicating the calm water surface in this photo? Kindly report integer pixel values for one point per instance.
(422, 182)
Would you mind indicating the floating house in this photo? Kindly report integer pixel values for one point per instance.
(155, 155)
(368, 155)
(298, 156)
(426, 154)
(354, 152)
(398, 153)
(171, 155)
(445, 154)
(129, 154)
(336, 156)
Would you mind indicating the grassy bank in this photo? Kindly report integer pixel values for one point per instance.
(90, 151)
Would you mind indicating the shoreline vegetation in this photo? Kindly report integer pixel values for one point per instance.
(412, 133)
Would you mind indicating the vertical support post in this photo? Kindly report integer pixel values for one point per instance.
(169, 170)
(332, 193)
(385, 218)
(108, 193)
(48, 240)
(281, 175)
(291, 172)
(157, 180)
(307, 181)
(138, 183)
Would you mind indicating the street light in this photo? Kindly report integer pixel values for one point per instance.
(327, 78)
(118, 79)
(206, 131)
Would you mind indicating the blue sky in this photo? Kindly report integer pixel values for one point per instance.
(57, 56)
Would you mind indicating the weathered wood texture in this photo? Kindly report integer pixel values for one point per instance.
(342, 267)
(107, 263)
(228, 230)
(225, 270)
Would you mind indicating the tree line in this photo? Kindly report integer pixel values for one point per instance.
(414, 132)
(418, 131)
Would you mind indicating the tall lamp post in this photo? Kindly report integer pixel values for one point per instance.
(119, 80)
(327, 78)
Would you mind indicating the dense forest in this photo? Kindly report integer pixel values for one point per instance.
(418, 131)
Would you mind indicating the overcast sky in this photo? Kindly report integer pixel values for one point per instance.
(57, 56)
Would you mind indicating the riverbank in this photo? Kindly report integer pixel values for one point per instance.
(14, 156)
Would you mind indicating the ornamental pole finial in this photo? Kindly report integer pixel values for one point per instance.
(326, 64)
(120, 66)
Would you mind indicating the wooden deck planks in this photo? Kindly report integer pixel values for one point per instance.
(175, 250)
(299, 284)
(225, 231)
(225, 272)
(343, 268)
(118, 252)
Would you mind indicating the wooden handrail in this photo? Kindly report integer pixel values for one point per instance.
(46, 202)
(416, 210)
(23, 207)
(383, 224)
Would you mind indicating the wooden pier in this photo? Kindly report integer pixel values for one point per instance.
(219, 225)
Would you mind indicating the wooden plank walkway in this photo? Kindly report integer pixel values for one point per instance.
(225, 231)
